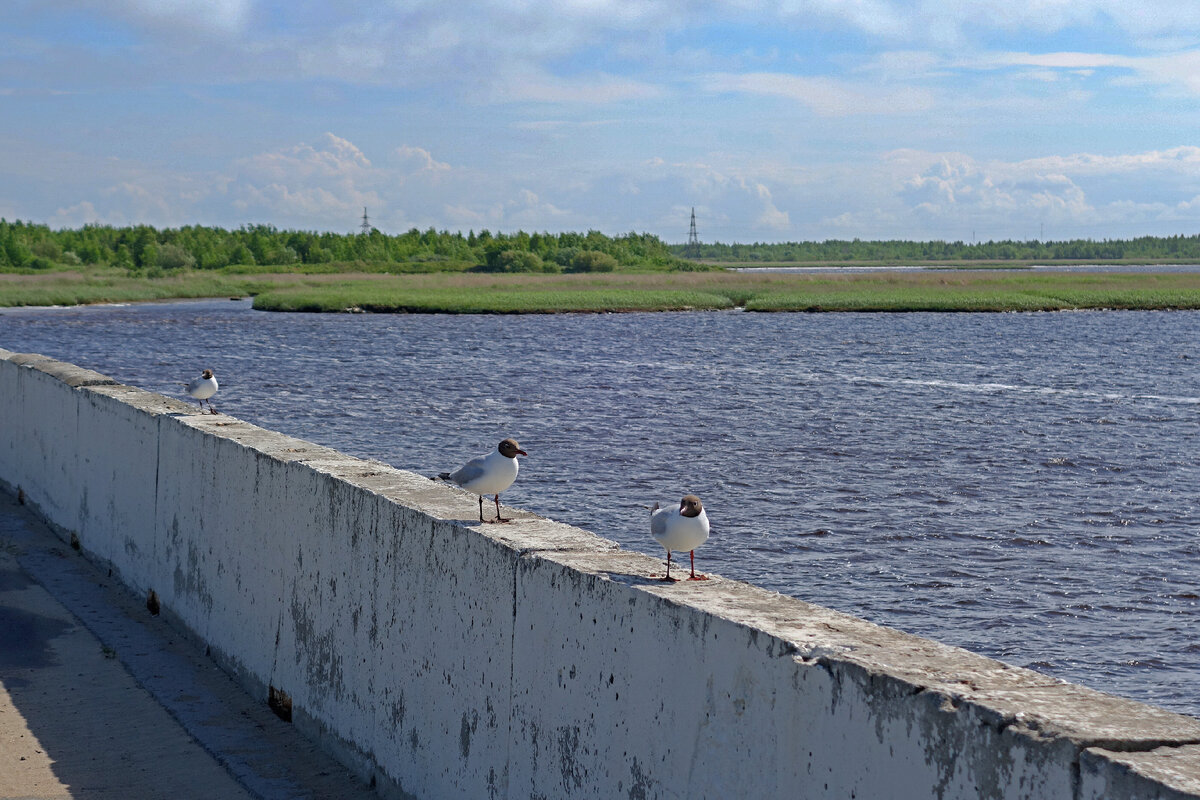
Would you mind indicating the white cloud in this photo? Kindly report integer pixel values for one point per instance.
(948, 195)
(537, 86)
(80, 214)
(951, 21)
(332, 157)
(414, 160)
(322, 185)
(770, 217)
(1175, 160)
(171, 15)
(1178, 71)
(827, 97)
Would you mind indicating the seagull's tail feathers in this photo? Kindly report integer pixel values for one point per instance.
(654, 508)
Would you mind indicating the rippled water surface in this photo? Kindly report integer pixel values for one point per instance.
(1023, 485)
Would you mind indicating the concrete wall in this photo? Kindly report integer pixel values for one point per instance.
(448, 659)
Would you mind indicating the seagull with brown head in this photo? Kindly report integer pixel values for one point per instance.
(489, 474)
(203, 388)
(681, 529)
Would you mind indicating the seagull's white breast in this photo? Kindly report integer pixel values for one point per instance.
(202, 388)
(679, 533)
(490, 474)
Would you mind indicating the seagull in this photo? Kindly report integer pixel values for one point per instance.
(684, 528)
(203, 388)
(489, 474)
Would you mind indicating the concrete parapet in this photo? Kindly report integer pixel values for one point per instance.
(451, 659)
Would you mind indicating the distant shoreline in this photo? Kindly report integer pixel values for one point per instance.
(860, 289)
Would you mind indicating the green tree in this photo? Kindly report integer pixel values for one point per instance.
(592, 261)
(513, 261)
(171, 256)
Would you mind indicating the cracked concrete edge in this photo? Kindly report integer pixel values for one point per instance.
(1100, 728)
(70, 374)
(1173, 770)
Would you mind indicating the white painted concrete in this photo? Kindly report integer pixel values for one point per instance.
(450, 659)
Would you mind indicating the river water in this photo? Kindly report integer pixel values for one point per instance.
(1022, 485)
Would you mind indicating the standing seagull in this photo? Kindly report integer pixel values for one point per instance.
(685, 528)
(203, 388)
(490, 474)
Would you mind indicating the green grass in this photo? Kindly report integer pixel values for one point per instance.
(470, 293)
(1041, 291)
(61, 289)
(1023, 291)
(490, 301)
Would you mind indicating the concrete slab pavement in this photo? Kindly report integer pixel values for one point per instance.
(100, 699)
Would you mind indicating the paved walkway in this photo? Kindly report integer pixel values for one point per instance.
(98, 699)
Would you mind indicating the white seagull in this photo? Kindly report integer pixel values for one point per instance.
(684, 528)
(203, 388)
(489, 474)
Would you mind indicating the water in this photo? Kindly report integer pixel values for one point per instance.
(1125, 268)
(1023, 485)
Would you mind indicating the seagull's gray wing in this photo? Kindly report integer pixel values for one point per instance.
(468, 471)
(658, 521)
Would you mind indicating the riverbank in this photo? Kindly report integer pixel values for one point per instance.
(913, 291)
(459, 292)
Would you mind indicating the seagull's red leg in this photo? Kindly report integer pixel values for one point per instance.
(498, 517)
(668, 575)
(481, 519)
(696, 577)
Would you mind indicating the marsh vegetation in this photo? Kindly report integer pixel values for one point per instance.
(435, 271)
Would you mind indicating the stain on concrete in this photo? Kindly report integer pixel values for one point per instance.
(25, 638)
(398, 712)
(470, 723)
(193, 582)
(318, 652)
(280, 702)
(568, 758)
(13, 580)
(641, 785)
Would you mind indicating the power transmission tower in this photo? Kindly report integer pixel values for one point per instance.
(366, 223)
(693, 237)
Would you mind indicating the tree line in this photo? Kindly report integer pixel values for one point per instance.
(145, 249)
(1150, 248)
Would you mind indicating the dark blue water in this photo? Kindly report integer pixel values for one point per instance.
(1023, 485)
(1127, 268)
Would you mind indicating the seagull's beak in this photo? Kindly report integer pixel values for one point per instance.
(522, 453)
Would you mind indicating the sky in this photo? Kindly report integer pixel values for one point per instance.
(794, 120)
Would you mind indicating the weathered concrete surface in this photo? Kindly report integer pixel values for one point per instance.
(1174, 772)
(447, 659)
(98, 699)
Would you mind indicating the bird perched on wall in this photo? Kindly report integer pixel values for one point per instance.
(203, 388)
(680, 529)
(489, 474)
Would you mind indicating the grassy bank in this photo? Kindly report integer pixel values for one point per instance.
(459, 292)
(86, 285)
(496, 294)
(953, 291)
(112, 286)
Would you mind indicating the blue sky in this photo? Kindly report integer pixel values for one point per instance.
(777, 121)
